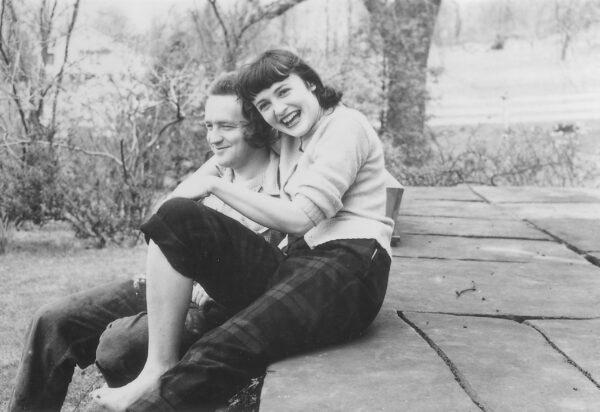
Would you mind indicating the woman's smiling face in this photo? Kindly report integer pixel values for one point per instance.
(289, 106)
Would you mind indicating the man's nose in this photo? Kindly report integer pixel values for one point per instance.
(214, 137)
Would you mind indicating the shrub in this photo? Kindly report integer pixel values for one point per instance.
(125, 145)
(518, 156)
(29, 188)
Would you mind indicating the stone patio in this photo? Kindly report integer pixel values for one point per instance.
(493, 304)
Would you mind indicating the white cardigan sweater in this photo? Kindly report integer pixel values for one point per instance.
(338, 178)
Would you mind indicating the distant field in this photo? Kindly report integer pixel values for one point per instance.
(479, 93)
(43, 265)
(526, 82)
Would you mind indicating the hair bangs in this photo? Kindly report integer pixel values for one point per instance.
(268, 69)
(276, 65)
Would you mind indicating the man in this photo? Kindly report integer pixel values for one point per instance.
(108, 324)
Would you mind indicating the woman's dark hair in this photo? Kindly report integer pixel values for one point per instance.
(276, 65)
(258, 133)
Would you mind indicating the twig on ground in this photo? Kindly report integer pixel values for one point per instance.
(460, 292)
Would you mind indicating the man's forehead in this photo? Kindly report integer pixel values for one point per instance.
(223, 108)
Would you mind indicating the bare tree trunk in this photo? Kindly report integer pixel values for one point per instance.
(458, 25)
(8, 18)
(327, 28)
(406, 28)
(59, 79)
(565, 45)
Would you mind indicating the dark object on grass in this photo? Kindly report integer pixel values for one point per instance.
(566, 128)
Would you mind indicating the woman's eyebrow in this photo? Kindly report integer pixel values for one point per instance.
(258, 102)
(279, 87)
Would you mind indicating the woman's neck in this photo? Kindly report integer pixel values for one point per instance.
(254, 165)
(322, 114)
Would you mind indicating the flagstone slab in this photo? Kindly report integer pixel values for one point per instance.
(389, 369)
(508, 365)
(533, 211)
(449, 208)
(457, 193)
(578, 339)
(584, 234)
(533, 194)
(511, 250)
(522, 289)
(451, 226)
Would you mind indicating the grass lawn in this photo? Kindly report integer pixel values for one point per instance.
(43, 265)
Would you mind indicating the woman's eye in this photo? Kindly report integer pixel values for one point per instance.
(283, 92)
(262, 107)
(227, 127)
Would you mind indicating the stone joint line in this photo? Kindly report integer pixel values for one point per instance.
(515, 318)
(507, 316)
(569, 360)
(593, 260)
(458, 376)
(478, 236)
(459, 259)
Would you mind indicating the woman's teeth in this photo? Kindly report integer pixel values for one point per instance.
(290, 119)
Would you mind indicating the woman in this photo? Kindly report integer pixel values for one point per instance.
(326, 288)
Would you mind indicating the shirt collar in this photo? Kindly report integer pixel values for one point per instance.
(270, 181)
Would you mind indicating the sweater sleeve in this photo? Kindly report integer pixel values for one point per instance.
(334, 163)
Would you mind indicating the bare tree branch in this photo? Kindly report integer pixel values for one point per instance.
(201, 28)
(42, 27)
(213, 4)
(268, 12)
(7, 145)
(73, 148)
(7, 60)
(45, 26)
(4, 56)
(123, 166)
(88, 152)
(245, 20)
(62, 67)
(178, 119)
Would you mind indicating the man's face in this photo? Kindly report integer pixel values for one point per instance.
(225, 126)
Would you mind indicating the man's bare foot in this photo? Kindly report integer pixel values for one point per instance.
(119, 399)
